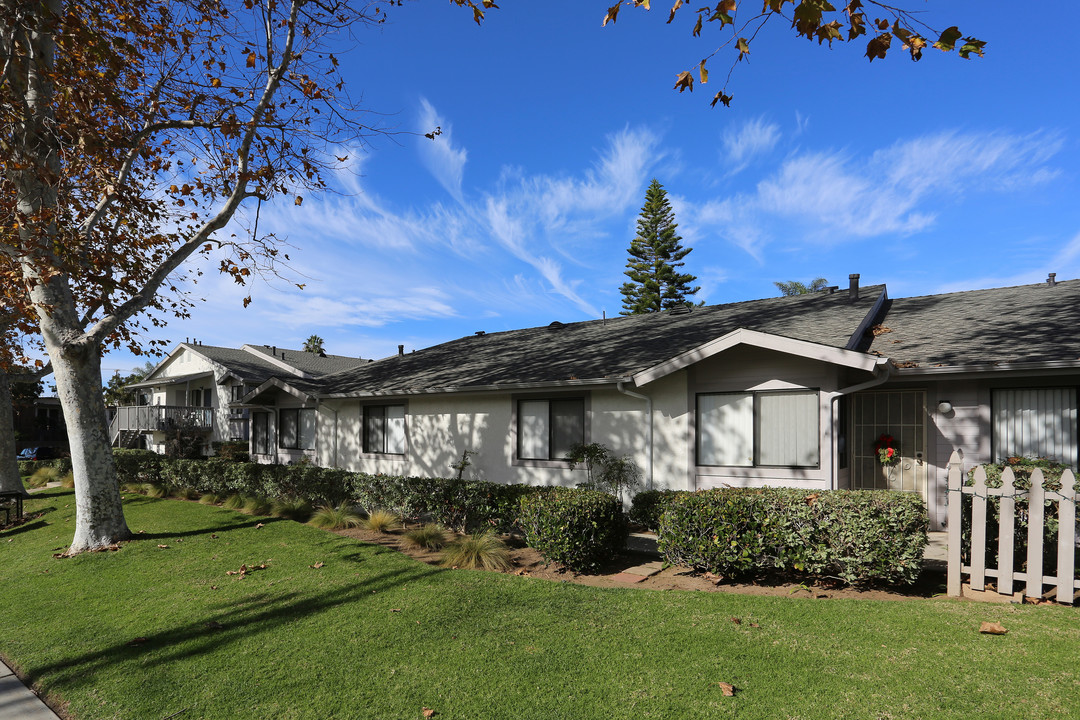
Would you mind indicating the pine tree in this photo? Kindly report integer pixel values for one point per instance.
(656, 254)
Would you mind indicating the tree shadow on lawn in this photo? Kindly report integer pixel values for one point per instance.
(214, 528)
(221, 626)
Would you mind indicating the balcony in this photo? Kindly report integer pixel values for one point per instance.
(135, 420)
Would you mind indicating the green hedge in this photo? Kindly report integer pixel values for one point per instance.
(461, 505)
(860, 537)
(581, 529)
(647, 507)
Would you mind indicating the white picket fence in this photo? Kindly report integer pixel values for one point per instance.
(1063, 583)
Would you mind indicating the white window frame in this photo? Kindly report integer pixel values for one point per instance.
(745, 407)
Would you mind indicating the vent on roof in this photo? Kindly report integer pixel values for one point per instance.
(480, 333)
(680, 310)
(1051, 280)
(556, 325)
(853, 286)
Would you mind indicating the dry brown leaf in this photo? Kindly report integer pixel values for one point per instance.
(163, 546)
(728, 688)
(258, 525)
(317, 565)
(136, 641)
(428, 712)
(395, 609)
(736, 620)
(992, 628)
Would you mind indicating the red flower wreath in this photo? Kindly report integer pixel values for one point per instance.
(885, 447)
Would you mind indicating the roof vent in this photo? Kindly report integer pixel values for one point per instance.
(1052, 279)
(400, 350)
(681, 309)
(832, 288)
(853, 287)
(556, 325)
(480, 333)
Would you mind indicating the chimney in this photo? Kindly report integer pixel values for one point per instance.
(1052, 279)
(273, 349)
(400, 350)
(853, 287)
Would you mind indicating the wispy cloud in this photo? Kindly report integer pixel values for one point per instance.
(754, 138)
(442, 159)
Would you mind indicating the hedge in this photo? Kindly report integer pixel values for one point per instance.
(29, 467)
(581, 529)
(860, 537)
(461, 505)
(647, 506)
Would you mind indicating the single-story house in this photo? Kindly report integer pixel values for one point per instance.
(786, 391)
(194, 387)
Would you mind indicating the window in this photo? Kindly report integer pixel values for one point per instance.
(1035, 422)
(746, 429)
(547, 429)
(296, 429)
(237, 392)
(384, 429)
(260, 433)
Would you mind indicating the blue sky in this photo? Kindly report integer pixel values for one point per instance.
(933, 176)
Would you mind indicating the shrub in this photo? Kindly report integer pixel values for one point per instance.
(29, 467)
(185, 493)
(428, 536)
(234, 502)
(43, 476)
(298, 510)
(137, 466)
(68, 481)
(580, 529)
(335, 518)
(604, 471)
(476, 551)
(154, 490)
(209, 499)
(381, 521)
(231, 451)
(647, 507)
(256, 506)
(858, 536)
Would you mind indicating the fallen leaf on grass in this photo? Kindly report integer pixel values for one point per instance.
(213, 536)
(428, 712)
(214, 625)
(754, 625)
(141, 532)
(992, 628)
(213, 587)
(163, 546)
(317, 565)
(136, 641)
(395, 609)
(258, 525)
(736, 620)
(728, 688)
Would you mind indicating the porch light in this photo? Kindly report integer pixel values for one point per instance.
(944, 407)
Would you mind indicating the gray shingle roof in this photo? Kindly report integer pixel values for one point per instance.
(254, 369)
(602, 350)
(1027, 323)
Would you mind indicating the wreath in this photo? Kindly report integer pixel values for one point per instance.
(885, 447)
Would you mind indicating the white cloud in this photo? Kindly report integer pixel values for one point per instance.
(754, 138)
(444, 161)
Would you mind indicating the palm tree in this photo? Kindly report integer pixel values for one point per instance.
(794, 287)
(314, 344)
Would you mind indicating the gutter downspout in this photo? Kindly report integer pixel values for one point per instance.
(882, 373)
(649, 432)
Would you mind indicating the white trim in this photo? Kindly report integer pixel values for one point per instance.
(742, 336)
(279, 384)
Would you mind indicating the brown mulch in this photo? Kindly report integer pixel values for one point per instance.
(528, 563)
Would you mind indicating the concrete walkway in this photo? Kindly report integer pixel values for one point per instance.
(17, 702)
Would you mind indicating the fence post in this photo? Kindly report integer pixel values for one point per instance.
(956, 504)
(1066, 537)
(1035, 535)
(978, 530)
(1006, 532)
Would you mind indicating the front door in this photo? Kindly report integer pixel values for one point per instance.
(901, 414)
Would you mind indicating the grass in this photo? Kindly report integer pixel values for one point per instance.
(382, 521)
(428, 536)
(335, 518)
(332, 628)
(477, 551)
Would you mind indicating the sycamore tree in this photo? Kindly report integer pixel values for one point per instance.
(878, 24)
(655, 258)
(133, 133)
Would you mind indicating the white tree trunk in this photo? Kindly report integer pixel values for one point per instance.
(10, 480)
(99, 514)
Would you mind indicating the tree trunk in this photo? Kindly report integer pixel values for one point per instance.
(10, 480)
(99, 513)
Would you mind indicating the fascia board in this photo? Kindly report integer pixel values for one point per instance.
(754, 338)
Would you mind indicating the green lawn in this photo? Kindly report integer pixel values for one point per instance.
(374, 634)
